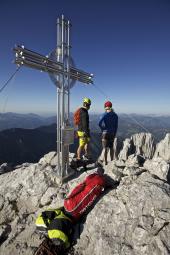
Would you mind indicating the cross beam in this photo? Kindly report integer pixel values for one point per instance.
(60, 66)
(43, 63)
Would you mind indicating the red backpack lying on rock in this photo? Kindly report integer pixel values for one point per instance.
(84, 195)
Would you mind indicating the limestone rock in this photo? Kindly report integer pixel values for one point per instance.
(115, 149)
(126, 151)
(163, 148)
(116, 173)
(49, 195)
(48, 158)
(158, 167)
(135, 160)
(144, 144)
(133, 170)
(120, 163)
(4, 168)
(132, 218)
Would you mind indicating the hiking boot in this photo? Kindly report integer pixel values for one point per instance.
(100, 161)
(79, 162)
(86, 157)
(75, 163)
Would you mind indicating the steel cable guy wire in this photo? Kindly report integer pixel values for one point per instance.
(6, 83)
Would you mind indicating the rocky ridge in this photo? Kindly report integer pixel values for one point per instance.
(132, 218)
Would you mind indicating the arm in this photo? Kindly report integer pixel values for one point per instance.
(116, 124)
(85, 122)
(101, 123)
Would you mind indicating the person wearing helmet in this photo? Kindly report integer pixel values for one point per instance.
(108, 124)
(83, 130)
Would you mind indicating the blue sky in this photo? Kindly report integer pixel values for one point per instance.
(126, 44)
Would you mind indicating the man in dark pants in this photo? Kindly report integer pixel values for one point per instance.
(108, 125)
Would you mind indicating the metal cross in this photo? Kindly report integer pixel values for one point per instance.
(62, 71)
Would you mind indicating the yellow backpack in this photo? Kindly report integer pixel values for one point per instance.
(57, 225)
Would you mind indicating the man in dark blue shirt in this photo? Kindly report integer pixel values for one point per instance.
(108, 124)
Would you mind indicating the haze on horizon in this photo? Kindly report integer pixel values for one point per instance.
(124, 43)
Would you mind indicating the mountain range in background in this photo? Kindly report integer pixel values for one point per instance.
(29, 121)
(27, 137)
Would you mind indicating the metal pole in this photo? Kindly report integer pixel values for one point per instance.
(68, 67)
(58, 130)
(62, 95)
(68, 84)
(58, 100)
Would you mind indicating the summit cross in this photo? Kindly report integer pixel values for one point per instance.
(62, 71)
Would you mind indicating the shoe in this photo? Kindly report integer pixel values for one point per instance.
(79, 162)
(75, 155)
(99, 163)
(86, 157)
(75, 163)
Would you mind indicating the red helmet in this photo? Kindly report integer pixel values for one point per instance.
(108, 104)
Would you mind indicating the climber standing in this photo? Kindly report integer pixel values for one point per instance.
(108, 124)
(81, 120)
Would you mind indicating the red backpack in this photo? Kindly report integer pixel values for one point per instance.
(77, 117)
(84, 195)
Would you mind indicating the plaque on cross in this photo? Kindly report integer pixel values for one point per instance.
(62, 71)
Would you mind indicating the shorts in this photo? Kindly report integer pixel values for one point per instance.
(83, 139)
(107, 140)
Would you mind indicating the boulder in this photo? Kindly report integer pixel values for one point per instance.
(4, 168)
(135, 160)
(133, 219)
(126, 151)
(48, 158)
(144, 144)
(158, 167)
(163, 148)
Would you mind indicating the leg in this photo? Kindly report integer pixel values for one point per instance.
(86, 149)
(87, 146)
(105, 142)
(104, 145)
(81, 147)
(104, 151)
(102, 155)
(79, 151)
(111, 153)
(111, 147)
(105, 155)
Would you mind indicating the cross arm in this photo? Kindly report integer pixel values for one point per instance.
(35, 60)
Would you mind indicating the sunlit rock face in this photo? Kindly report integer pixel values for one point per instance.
(163, 148)
(131, 218)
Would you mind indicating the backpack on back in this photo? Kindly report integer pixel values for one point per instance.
(84, 195)
(77, 117)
